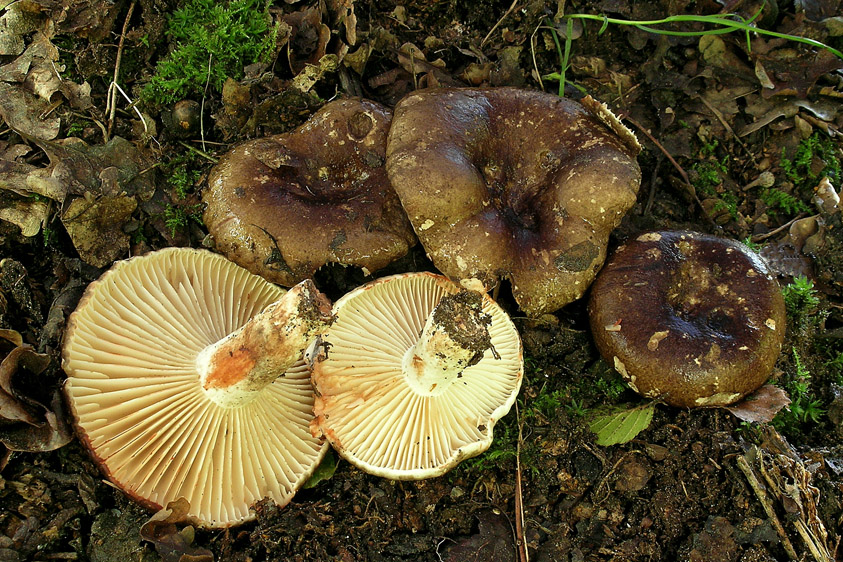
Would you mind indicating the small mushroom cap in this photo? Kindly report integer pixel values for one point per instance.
(367, 409)
(285, 205)
(130, 353)
(513, 183)
(692, 319)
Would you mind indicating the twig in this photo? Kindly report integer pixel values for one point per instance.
(112, 99)
(533, 54)
(686, 180)
(494, 27)
(201, 153)
(520, 541)
(202, 105)
(651, 197)
(762, 237)
(726, 126)
(767, 505)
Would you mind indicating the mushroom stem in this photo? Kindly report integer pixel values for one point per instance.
(455, 336)
(235, 369)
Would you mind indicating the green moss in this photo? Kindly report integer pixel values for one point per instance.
(778, 200)
(708, 174)
(213, 41)
(182, 172)
(804, 408)
(801, 302)
(816, 157)
(178, 218)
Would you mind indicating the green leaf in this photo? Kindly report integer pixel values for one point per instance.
(622, 425)
(324, 471)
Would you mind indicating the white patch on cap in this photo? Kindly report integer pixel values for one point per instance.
(653, 344)
(719, 399)
(770, 323)
(650, 237)
(620, 367)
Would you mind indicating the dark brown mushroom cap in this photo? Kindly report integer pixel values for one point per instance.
(285, 205)
(513, 183)
(693, 319)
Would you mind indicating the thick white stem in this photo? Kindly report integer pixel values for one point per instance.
(235, 369)
(455, 336)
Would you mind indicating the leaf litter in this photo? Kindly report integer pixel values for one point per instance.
(717, 114)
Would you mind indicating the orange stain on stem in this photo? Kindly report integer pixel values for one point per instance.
(230, 368)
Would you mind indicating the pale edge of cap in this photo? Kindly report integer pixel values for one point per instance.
(130, 356)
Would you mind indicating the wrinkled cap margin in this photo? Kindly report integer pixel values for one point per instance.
(284, 206)
(509, 183)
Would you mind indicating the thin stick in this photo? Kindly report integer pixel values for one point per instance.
(767, 505)
(678, 168)
(201, 153)
(762, 237)
(112, 100)
(533, 54)
(494, 27)
(202, 105)
(520, 541)
(728, 127)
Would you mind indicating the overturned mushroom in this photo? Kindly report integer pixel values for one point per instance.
(186, 378)
(285, 205)
(688, 318)
(512, 183)
(413, 375)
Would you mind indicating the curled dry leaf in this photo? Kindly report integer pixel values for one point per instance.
(762, 405)
(492, 542)
(25, 423)
(112, 178)
(172, 544)
(28, 85)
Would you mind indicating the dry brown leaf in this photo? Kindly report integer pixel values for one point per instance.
(492, 542)
(762, 405)
(96, 227)
(15, 24)
(172, 544)
(25, 423)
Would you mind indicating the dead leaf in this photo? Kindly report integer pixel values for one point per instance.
(109, 169)
(96, 227)
(25, 423)
(172, 544)
(343, 11)
(54, 432)
(792, 72)
(113, 178)
(492, 542)
(23, 112)
(15, 24)
(762, 405)
(308, 38)
(27, 214)
(14, 407)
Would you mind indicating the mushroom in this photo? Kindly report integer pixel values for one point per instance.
(413, 375)
(509, 183)
(688, 318)
(285, 205)
(186, 378)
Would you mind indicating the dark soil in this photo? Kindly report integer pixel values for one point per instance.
(697, 485)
